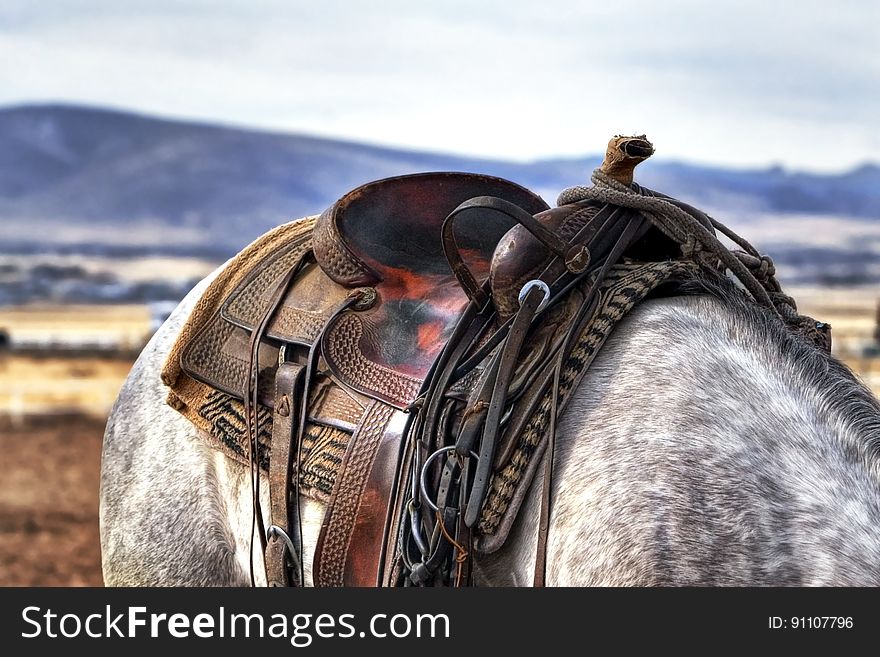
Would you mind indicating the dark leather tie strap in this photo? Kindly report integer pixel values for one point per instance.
(251, 402)
(506, 367)
(281, 556)
(540, 576)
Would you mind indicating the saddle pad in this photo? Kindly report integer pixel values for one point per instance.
(218, 414)
(323, 446)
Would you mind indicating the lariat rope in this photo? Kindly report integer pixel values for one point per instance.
(754, 271)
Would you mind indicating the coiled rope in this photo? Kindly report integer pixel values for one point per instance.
(756, 272)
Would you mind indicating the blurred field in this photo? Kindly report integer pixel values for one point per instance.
(59, 385)
(49, 503)
(67, 359)
(105, 328)
(60, 371)
(140, 268)
(853, 315)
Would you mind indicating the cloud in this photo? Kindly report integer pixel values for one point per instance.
(750, 83)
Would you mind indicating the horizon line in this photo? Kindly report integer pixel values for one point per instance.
(366, 143)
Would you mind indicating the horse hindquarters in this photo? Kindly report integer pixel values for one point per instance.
(163, 518)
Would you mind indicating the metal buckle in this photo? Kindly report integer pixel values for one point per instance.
(275, 531)
(541, 285)
(423, 484)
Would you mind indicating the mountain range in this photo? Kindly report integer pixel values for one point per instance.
(86, 177)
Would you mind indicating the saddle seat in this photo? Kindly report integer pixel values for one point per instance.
(387, 232)
(383, 236)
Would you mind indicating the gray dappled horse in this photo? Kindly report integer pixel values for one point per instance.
(706, 445)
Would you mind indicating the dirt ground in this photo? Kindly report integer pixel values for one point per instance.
(49, 503)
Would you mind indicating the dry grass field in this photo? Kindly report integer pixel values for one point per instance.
(67, 359)
(49, 503)
(105, 327)
(59, 385)
(53, 405)
(852, 314)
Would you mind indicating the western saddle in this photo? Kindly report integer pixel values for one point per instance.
(435, 325)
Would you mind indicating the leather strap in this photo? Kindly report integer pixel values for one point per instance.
(251, 403)
(332, 558)
(540, 578)
(632, 229)
(518, 331)
(280, 559)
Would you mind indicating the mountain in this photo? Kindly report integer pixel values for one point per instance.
(78, 175)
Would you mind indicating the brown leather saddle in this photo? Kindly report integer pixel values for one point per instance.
(383, 239)
(440, 320)
(373, 293)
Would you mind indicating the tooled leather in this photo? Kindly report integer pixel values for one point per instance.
(248, 302)
(336, 532)
(375, 522)
(576, 220)
(288, 398)
(209, 360)
(303, 312)
(214, 362)
(334, 257)
(207, 357)
(332, 405)
(342, 350)
(294, 325)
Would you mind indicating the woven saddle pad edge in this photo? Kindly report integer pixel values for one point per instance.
(227, 280)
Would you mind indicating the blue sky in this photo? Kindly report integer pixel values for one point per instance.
(737, 83)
